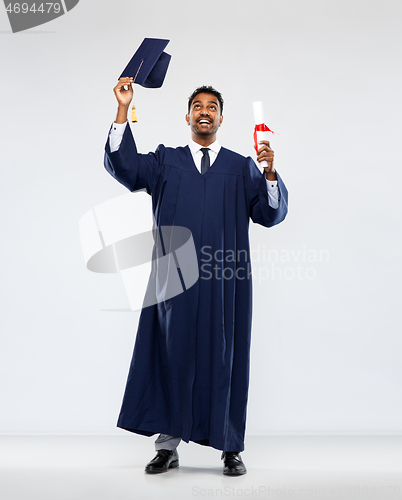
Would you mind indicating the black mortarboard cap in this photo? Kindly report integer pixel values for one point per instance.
(149, 64)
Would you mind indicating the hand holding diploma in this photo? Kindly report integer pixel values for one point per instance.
(265, 155)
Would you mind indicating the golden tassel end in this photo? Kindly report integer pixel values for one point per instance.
(134, 118)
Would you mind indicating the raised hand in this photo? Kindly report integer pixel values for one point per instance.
(124, 91)
(124, 95)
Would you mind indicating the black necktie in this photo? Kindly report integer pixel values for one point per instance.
(205, 162)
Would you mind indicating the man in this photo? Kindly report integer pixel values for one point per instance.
(189, 374)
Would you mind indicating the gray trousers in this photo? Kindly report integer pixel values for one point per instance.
(166, 442)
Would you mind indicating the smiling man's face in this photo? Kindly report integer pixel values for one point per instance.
(204, 118)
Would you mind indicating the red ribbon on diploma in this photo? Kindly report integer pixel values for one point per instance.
(260, 128)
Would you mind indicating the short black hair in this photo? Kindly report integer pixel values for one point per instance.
(206, 89)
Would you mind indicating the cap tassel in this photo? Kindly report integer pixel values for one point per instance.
(134, 118)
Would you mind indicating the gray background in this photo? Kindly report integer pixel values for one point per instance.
(326, 351)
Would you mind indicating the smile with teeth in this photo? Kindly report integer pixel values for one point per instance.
(204, 122)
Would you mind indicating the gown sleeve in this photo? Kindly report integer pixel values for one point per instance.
(259, 209)
(132, 169)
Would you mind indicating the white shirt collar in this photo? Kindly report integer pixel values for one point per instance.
(195, 147)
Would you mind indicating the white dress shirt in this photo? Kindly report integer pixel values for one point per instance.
(116, 135)
(195, 149)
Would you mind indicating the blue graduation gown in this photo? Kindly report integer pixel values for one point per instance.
(189, 374)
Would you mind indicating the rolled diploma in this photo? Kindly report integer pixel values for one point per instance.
(258, 107)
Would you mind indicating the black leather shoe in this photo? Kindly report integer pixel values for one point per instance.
(164, 460)
(232, 463)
